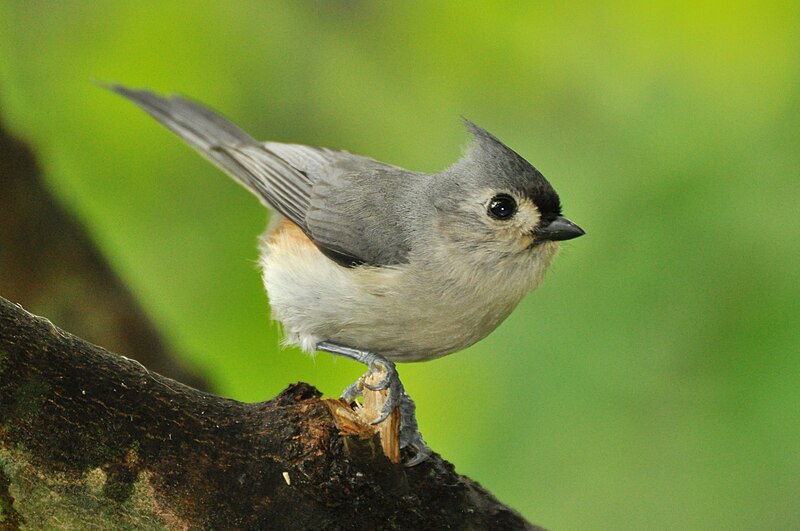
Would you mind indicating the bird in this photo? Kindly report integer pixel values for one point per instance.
(376, 263)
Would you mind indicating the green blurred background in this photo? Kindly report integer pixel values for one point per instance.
(652, 382)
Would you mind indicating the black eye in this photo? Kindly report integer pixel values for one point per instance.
(502, 206)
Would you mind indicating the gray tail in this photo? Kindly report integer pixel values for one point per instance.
(203, 129)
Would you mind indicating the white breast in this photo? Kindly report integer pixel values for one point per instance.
(409, 312)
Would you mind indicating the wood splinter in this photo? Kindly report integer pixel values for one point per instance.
(358, 420)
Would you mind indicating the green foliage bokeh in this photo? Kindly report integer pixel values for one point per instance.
(651, 382)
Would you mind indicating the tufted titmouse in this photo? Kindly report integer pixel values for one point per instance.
(377, 263)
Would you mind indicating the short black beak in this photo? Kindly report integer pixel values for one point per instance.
(558, 230)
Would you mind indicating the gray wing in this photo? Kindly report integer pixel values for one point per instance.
(348, 212)
(331, 195)
(360, 208)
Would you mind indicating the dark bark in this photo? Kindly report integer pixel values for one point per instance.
(49, 263)
(92, 438)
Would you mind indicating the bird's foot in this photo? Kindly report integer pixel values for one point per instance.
(353, 391)
(396, 397)
(410, 435)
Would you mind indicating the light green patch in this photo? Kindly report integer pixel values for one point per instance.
(96, 480)
(50, 500)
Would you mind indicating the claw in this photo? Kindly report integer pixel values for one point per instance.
(380, 387)
(423, 453)
(390, 404)
(389, 379)
(383, 416)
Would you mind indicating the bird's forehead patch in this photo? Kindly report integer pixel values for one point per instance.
(545, 198)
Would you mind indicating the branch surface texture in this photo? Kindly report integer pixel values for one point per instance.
(90, 438)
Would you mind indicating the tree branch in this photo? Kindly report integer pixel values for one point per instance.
(92, 438)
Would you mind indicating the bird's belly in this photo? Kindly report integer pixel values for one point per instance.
(388, 310)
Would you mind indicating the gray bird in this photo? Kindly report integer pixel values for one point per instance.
(380, 264)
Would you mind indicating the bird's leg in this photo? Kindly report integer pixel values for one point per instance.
(375, 363)
(397, 398)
